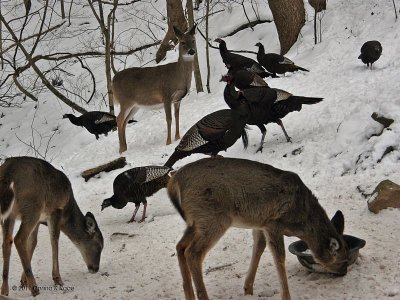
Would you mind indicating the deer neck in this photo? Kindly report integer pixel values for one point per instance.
(318, 230)
(185, 70)
(73, 222)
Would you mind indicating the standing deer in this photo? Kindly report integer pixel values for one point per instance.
(35, 192)
(212, 195)
(151, 87)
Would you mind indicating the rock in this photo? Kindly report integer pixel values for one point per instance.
(386, 122)
(387, 195)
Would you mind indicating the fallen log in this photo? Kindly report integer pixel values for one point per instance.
(110, 166)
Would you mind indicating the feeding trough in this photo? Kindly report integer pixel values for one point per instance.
(300, 249)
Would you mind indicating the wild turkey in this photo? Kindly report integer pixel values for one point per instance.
(213, 133)
(265, 105)
(237, 61)
(96, 122)
(244, 79)
(134, 185)
(276, 63)
(370, 52)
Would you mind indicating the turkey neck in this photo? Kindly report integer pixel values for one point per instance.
(261, 51)
(231, 96)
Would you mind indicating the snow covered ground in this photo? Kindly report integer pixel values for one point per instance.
(331, 135)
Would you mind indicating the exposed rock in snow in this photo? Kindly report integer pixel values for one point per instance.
(387, 195)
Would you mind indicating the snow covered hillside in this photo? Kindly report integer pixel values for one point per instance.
(333, 151)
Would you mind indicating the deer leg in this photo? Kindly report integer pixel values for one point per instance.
(263, 132)
(7, 226)
(168, 116)
(21, 243)
(288, 138)
(122, 120)
(277, 247)
(177, 106)
(258, 248)
(205, 237)
(121, 131)
(181, 247)
(32, 242)
(54, 225)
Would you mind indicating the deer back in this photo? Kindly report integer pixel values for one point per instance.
(249, 192)
(33, 183)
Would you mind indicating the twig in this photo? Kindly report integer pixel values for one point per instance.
(213, 269)
(394, 6)
(247, 17)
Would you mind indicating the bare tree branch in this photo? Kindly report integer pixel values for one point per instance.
(38, 72)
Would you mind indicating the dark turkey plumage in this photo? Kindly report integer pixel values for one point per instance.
(238, 62)
(213, 133)
(265, 105)
(276, 63)
(244, 79)
(96, 122)
(370, 52)
(135, 185)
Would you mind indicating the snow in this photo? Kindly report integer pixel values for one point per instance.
(339, 153)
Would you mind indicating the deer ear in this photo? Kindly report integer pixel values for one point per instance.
(338, 222)
(334, 246)
(178, 33)
(90, 223)
(192, 30)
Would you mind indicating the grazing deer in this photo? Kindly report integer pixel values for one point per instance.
(35, 192)
(212, 195)
(151, 87)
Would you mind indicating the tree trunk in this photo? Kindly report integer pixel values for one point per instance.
(289, 18)
(62, 9)
(176, 18)
(1, 45)
(207, 47)
(106, 30)
(196, 67)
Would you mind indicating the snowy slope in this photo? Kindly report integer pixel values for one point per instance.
(331, 134)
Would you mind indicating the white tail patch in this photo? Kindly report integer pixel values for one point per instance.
(7, 213)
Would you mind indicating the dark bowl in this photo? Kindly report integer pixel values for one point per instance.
(299, 249)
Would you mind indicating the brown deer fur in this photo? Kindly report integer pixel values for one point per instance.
(34, 192)
(165, 85)
(215, 194)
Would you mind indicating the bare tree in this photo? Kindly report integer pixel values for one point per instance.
(289, 18)
(31, 61)
(207, 46)
(106, 29)
(319, 6)
(196, 69)
(176, 18)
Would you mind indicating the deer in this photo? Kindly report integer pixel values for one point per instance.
(214, 194)
(35, 192)
(152, 87)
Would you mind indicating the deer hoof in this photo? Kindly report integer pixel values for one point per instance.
(248, 290)
(58, 281)
(4, 289)
(34, 290)
(23, 281)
